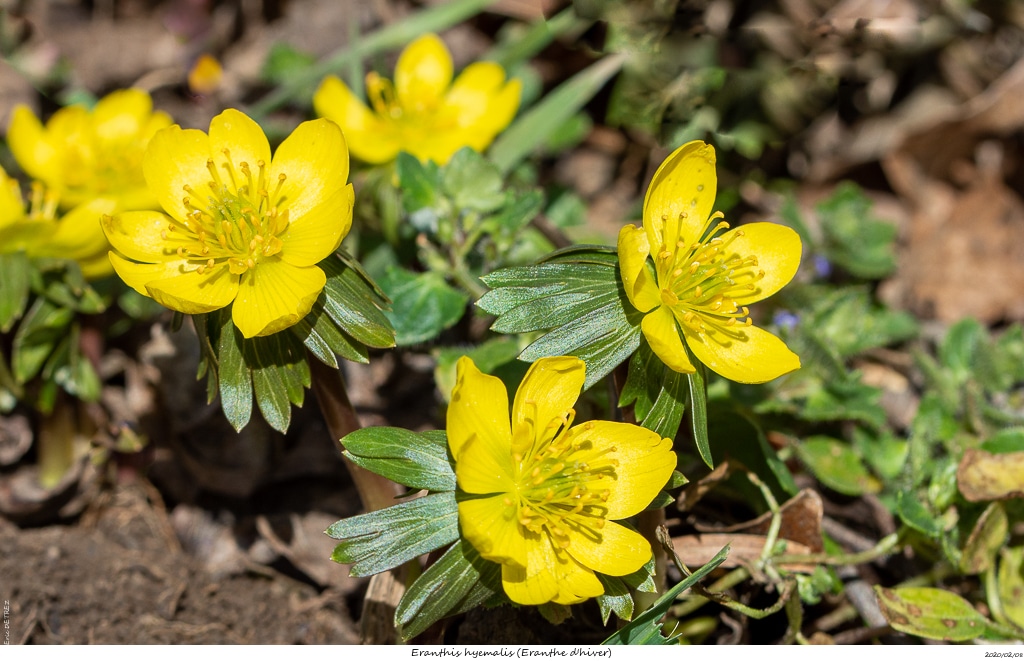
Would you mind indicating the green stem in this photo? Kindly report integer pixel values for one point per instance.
(56, 442)
(389, 37)
(883, 547)
(375, 491)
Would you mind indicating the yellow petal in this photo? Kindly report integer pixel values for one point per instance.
(528, 589)
(618, 552)
(646, 462)
(78, 233)
(662, 333)
(320, 230)
(744, 354)
(275, 295)
(547, 393)
(470, 97)
(478, 408)
(137, 276)
(176, 158)
(641, 289)
(314, 163)
(12, 207)
(192, 292)
(96, 267)
(31, 146)
(484, 467)
(423, 73)
(121, 115)
(549, 576)
(244, 140)
(491, 527)
(136, 235)
(369, 138)
(778, 250)
(681, 195)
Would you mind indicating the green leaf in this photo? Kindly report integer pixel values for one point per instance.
(232, 373)
(837, 465)
(657, 393)
(422, 304)
(472, 182)
(458, 581)
(699, 413)
(931, 613)
(960, 346)
(861, 244)
(1011, 584)
(988, 536)
(577, 297)
(386, 538)
(418, 461)
(534, 127)
(323, 338)
(355, 303)
(645, 629)
(15, 278)
(44, 325)
(913, 513)
(419, 182)
(284, 62)
(73, 371)
(280, 375)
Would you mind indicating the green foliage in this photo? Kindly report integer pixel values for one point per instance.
(386, 538)
(645, 629)
(855, 241)
(937, 614)
(419, 461)
(458, 581)
(272, 371)
(43, 301)
(576, 296)
(422, 305)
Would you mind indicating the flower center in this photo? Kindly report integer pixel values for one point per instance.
(42, 205)
(239, 224)
(561, 481)
(700, 281)
(424, 115)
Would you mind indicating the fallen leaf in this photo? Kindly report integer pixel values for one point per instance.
(984, 476)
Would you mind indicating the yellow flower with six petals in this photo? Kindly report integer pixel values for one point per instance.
(41, 231)
(243, 229)
(423, 113)
(83, 154)
(703, 279)
(541, 496)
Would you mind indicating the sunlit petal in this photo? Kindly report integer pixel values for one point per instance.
(478, 408)
(423, 73)
(641, 289)
(548, 392)
(662, 333)
(617, 552)
(681, 195)
(778, 251)
(745, 354)
(490, 526)
(274, 296)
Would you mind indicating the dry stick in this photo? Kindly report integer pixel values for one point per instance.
(385, 589)
(375, 491)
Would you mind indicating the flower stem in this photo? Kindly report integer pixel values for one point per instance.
(375, 491)
(56, 443)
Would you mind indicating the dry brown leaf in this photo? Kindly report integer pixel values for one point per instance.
(984, 476)
(800, 521)
(697, 550)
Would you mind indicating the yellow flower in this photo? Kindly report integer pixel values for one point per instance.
(703, 280)
(84, 154)
(242, 228)
(423, 113)
(40, 231)
(541, 496)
